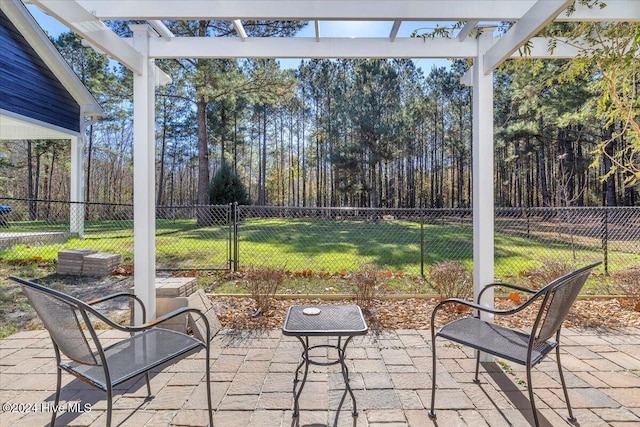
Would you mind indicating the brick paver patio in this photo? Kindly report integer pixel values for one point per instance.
(390, 371)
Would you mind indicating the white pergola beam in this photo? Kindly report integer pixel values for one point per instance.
(307, 47)
(539, 49)
(376, 10)
(614, 11)
(93, 30)
(536, 18)
(316, 25)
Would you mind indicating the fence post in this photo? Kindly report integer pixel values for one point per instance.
(229, 223)
(422, 242)
(236, 217)
(605, 239)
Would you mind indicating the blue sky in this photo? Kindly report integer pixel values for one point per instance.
(327, 29)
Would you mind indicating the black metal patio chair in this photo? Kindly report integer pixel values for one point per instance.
(70, 323)
(525, 348)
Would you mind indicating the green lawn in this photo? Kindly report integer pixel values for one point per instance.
(318, 245)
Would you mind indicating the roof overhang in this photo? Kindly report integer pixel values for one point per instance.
(33, 34)
(19, 127)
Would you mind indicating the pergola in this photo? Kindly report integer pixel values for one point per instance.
(153, 40)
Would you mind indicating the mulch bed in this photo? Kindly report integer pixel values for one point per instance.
(415, 313)
(412, 313)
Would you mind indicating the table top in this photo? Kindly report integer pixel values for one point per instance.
(332, 320)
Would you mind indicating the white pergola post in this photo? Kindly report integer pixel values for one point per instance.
(144, 206)
(76, 214)
(483, 198)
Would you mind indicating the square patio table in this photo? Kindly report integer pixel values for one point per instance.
(338, 321)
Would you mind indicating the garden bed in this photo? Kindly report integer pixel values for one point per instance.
(391, 312)
(415, 313)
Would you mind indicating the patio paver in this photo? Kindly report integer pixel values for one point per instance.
(252, 383)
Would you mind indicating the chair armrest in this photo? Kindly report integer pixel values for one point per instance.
(178, 312)
(475, 306)
(505, 285)
(471, 305)
(155, 322)
(120, 295)
(112, 296)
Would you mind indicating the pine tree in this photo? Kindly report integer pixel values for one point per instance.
(226, 187)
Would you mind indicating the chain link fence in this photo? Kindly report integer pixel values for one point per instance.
(232, 237)
(187, 237)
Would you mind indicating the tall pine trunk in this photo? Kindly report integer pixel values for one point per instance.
(542, 165)
(203, 161)
(609, 185)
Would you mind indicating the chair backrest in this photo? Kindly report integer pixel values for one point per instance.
(65, 318)
(558, 297)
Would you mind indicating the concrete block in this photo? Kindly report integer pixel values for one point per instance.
(167, 305)
(201, 301)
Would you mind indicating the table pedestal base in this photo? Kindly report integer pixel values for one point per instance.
(306, 361)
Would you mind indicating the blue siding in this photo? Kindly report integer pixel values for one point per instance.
(27, 85)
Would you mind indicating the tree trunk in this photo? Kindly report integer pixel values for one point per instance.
(542, 165)
(87, 196)
(609, 185)
(163, 150)
(262, 189)
(203, 161)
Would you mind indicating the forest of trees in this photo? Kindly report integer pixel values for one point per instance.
(359, 133)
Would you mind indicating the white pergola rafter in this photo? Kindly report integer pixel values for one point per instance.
(240, 31)
(394, 30)
(536, 18)
(92, 29)
(469, 26)
(487, 51)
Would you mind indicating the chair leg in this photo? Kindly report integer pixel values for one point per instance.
(564, 386)
(476, 380)
(533, 403)
(432, 413)
(109, 404)
(54, 412)
(208, 373)
(146, 375)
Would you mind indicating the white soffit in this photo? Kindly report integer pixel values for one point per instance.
(17, 127)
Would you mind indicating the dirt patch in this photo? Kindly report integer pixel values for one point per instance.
(17, 314)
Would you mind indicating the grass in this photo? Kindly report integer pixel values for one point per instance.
(13, 304)
(320, 245)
